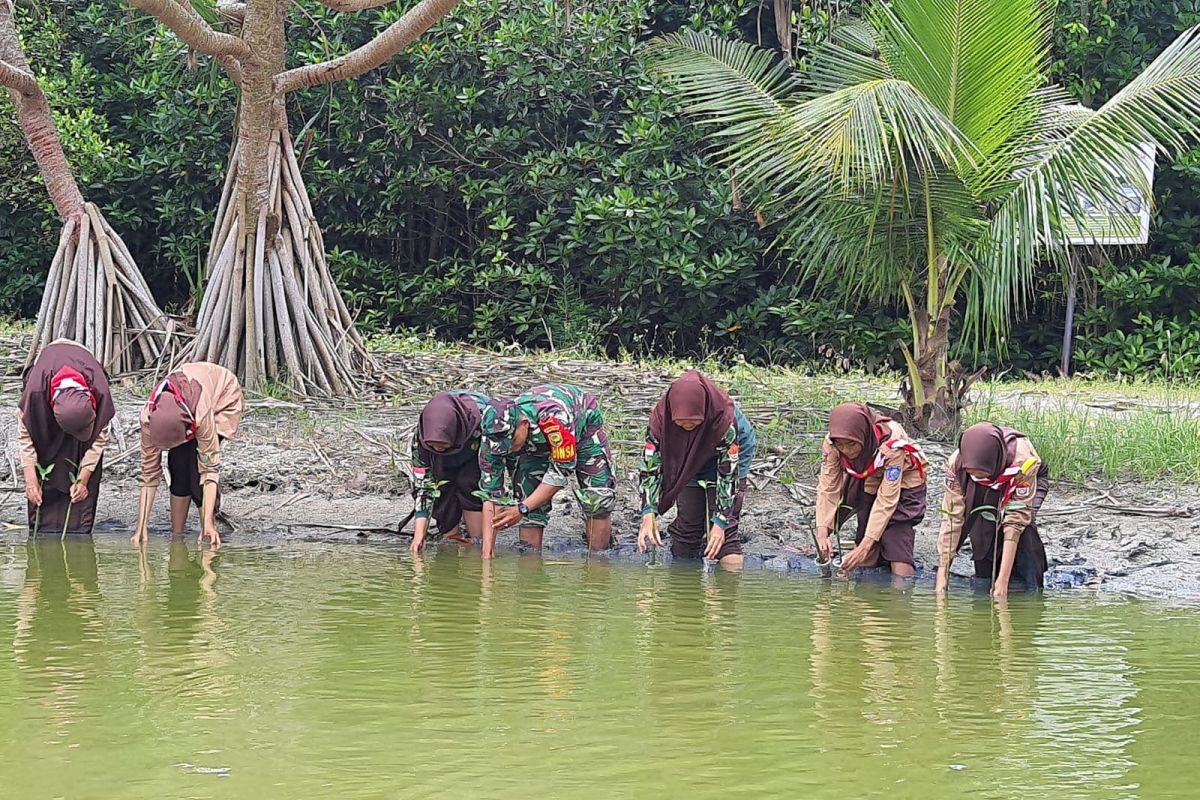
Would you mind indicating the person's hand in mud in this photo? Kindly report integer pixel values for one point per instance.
(857, 557)
(648, 533)
(824, 545)
(716, 540)
(506, 517)
(33, 490)
(211, 533)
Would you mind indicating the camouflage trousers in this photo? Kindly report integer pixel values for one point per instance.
(597, 479)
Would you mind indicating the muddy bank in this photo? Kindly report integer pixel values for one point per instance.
(296, 465)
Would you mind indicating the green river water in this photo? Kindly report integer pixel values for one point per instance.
(297, 670)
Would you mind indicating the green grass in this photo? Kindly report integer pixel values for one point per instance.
(15, 327)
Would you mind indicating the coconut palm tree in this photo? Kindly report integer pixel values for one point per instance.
(923, 156)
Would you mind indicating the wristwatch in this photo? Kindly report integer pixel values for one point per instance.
(524, 509)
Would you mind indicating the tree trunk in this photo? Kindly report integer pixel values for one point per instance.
(935, 388)
(783, 28)
(94, 293)
(271, 312)
(269, 297)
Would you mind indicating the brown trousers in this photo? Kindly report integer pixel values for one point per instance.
(56, 503)
(899, 536)
(693, 519)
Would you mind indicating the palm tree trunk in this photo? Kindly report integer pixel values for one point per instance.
(935, 388)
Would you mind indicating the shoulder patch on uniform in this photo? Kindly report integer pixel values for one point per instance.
(892, 473)
(1023, 491)
(561, 440)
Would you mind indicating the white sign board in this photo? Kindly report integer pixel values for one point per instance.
(1126, 222)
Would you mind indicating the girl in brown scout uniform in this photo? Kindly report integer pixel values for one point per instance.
(995, 484)
(189, 414)
(871, 469)
(62, 423)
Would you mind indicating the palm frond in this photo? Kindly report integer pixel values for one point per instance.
(976, 60)
(850, 55)
(1073, 159)
(848, 143)
(725, 83)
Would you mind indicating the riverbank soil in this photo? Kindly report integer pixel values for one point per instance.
(337, 471)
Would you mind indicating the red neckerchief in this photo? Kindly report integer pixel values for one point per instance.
(73, 380)
(172, 389)
(915, 456)
(1007, 481)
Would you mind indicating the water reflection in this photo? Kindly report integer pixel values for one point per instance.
(58, 629)
(299, 666)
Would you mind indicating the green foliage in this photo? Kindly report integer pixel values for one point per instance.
(1146, 321)
(508, 180)
(539, 191)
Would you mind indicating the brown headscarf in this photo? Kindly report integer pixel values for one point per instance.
(857, 423)
(75, 413)
(449, 419)
(693, 396)
(988, 447)
(172, 421)
(42, 412)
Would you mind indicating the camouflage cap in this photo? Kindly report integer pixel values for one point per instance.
(499, 422)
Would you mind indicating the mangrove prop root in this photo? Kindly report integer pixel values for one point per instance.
(269, 297)
(96, 296)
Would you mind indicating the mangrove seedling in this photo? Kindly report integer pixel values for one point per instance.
(43, 473)
(995, 515)
(707, 511)
(70, 503)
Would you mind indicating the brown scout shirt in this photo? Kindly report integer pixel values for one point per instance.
(218, 414)
(831, 486)
(29, 456)
(1016, 518)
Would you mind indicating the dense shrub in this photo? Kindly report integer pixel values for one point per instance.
(510, 179)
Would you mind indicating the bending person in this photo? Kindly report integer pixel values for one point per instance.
(995, 484)
(189, 415)
(870, 469)
(62, 427)
(551, 434)
(699, 446)
(445, 465)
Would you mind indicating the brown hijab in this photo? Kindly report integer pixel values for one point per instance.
(172, 418)
(857, 423)
(988, 447)
(84, 412)
(693, 396)
(449, 419)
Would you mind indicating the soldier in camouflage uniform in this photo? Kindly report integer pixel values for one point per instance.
(553, 433)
